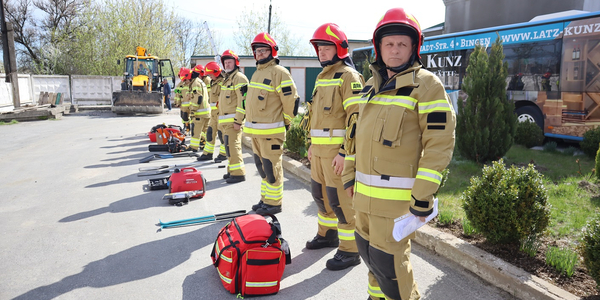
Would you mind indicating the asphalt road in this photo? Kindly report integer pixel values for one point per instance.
(78, 223)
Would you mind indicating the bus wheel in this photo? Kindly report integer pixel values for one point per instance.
(531, 114)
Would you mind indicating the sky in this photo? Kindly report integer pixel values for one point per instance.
(356, 18)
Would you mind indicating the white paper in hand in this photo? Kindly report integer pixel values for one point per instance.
(409, 223)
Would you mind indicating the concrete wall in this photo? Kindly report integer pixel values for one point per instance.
(462, 15)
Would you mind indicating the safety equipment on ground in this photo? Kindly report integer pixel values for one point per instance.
(331, 33)
(201, 220)
(228, 54)
(396, 21)
(266, 40)
(212, 68)
(250, 255)
(152, 132)
(158, 183)
(164, 156)
(199, 69)
(187, 180)
(350, 132)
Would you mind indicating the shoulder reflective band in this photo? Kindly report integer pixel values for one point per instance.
(226, 118)
(431, 106)
(429, 175)
(261, 86)
(392, 182)
(264, 128)
(403, 101)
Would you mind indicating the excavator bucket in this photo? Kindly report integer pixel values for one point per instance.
(132, 102)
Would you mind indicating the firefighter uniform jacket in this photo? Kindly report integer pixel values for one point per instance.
(198, 95)
(335, 98)
(272, 97)
(231, 97)
(211, 132)
(214, 92)
(404, 140)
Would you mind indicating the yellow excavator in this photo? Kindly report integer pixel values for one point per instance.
(141, 88)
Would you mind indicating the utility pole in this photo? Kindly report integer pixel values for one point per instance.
(269, 28)
(10, 61)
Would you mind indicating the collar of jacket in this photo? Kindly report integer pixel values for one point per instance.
(331, 68)
(273, 61)
(399, 80)
(231, 74)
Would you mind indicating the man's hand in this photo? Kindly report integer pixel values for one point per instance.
(350, 191)
(338, 165)
(422, 219)
(309, 155)
(237, 126)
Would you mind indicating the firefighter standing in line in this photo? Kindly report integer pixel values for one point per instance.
(185, 101)
(199, 106)
(272, 101)
(404, 139)
(334, 99)
(207, 81)
(180, 86)
(213, 70)
(233, 89)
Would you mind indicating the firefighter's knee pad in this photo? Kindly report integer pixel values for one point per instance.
(209, 134)
(382, 266)
(192, 127)
(316, 190)
(259, 166)
(185, 116)
(296, 105)
(226, 138)
(363, 248)
(268, 167)
(334, 202)
(220, 135)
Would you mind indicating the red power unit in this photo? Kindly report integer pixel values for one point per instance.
(152, 135)
(188, 180)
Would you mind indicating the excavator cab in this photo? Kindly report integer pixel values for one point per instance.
(141, 88)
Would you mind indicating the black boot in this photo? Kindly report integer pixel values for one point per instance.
(226, 176)
(257, 206)
(205, 157)
(342, 260)
(220, 158)
(266, 209)
(235, 179)
(329, 240)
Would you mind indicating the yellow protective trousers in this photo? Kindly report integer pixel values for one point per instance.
(233, 149)
(335, 207)
(212, 134)
(388, 260)
(196, 130)
(267, 157)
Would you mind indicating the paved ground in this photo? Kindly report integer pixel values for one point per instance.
(79, 225)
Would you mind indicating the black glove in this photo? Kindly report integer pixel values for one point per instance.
(287, 127)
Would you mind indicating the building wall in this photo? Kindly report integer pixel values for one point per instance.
(462, 15)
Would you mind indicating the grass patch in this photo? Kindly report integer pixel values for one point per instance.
(563, 260)
(13, 121)
(468, 229)
(572, 190)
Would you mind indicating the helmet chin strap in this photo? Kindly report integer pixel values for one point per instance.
(264, 60)
(330, 62)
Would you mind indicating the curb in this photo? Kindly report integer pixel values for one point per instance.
(495, 271)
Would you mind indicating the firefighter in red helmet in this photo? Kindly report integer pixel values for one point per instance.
(271, 103)
(335, 98)
(233, 91)
(213, 70)
(199, 107)
(180, 88)
(185, 99)
(402, 142)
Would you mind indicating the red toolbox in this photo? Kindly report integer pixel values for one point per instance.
(188, 180)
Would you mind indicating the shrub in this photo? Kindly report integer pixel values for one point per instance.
(570, 151)
(590, 248)
(295, 140)
(563, 260)
(507, 205)
(591, 140)
(551, 147)
(597, 168)
(529, 134)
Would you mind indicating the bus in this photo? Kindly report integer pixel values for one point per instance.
(553, 69)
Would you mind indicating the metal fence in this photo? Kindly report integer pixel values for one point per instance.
(75, 89)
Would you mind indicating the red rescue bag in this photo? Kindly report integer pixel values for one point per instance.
(250, 255)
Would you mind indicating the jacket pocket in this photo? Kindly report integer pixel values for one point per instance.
(262, 100)
(327, 100)
(228, 98)
(391, 133)
(392, 168)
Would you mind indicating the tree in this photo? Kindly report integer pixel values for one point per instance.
(486, 123)
(254, 21)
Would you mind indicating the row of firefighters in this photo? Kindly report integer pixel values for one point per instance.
(377, 149)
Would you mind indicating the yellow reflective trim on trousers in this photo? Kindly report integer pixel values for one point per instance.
(350, 158)
(429, 175)
(375, 291)
(402, 101)
(261, 284)
(327, 222)
(261, 86)
(209, 148)
(236, 166)
(346, 235)
(431, 106)
(226, 279)
(351, 101)
(263, 187)
(195, 142)
(327, 140)
(264, 131)
(284, 84)
(222, 149)
(383, 193)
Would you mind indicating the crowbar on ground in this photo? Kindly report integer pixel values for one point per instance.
(201, 220)
(165, 171)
